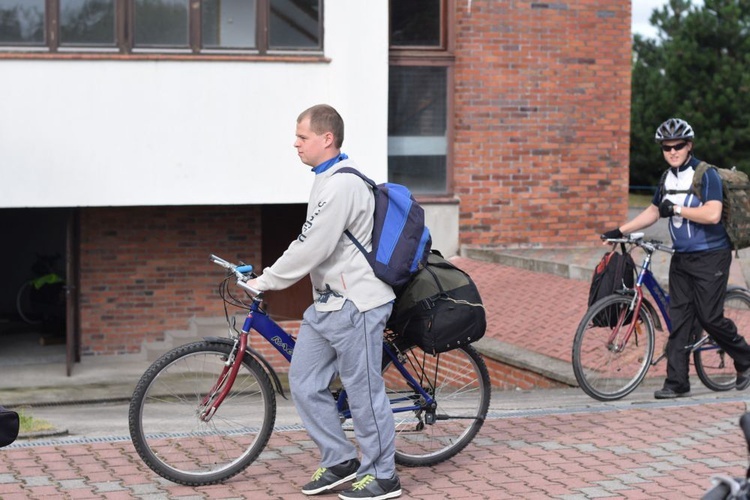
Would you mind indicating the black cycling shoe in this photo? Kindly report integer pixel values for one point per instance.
(743, 380)
(327, 478)
(670, 394)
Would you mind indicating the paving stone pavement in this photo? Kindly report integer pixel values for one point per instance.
(664, 451)
(535, 444)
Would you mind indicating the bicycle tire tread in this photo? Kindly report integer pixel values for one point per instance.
(139, 393)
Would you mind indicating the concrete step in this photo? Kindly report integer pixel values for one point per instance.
(197, 329)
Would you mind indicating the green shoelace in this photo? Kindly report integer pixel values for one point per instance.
(319, 473)
(360, 485)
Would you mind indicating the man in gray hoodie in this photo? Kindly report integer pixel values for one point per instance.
(342, 332)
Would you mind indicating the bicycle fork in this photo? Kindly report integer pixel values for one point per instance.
(220, 390)
(617, 342)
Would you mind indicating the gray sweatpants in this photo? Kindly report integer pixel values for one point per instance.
(349, 344)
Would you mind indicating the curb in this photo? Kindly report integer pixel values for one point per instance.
(42, 435)
(565, 270)
(508, 354)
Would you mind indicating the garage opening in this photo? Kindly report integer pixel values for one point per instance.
(33, 299)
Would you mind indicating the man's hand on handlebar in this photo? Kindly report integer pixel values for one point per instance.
(614, 234)
(243, 274)
(253, 284)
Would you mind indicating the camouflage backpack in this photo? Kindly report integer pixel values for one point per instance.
(735, 212)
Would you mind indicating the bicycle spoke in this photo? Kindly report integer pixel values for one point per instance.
(166, 421)
(714, 366)
(609, 364)
(459, 383)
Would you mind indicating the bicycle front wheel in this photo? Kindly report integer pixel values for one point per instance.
(165, 415)
(714, 366)
(606, 365)
(459, 382)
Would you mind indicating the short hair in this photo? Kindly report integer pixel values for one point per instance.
(324, 118)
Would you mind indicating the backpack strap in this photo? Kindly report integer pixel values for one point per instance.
(350, 170)
(695, 188)
(700, 171)
(663, 188)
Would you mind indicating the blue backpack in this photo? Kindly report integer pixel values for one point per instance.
(400, 240)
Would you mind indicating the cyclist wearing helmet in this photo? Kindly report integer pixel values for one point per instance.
(699, 270)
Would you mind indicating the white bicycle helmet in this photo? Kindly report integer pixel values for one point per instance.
(674, 128)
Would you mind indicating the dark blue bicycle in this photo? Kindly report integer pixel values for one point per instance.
(203, 412)
(727, 487)
(614, 348)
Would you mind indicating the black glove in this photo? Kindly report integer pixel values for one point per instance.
(612, 235)
(666, 209)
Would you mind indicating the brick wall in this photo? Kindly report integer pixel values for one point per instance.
(145, 270)
(502, 376)
(542, 110)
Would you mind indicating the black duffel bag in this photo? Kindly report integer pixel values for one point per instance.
(440, 308)
(9, 425)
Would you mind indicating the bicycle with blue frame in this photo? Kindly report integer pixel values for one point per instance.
(203, 412)
(614, 344)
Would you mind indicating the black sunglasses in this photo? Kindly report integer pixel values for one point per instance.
(677, 147)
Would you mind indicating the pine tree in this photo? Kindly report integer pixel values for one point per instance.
(698, 70)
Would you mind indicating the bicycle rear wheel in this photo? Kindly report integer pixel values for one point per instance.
(25, 305)
(714, 366)
(164, 415)
(459, 382)
(604, 368)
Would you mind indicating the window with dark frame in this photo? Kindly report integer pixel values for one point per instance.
(419, 89)
(229, 25)
(87, 23)
(417, 127)
(255, 27)
(416, 23)
(22, 22)
(161, 23)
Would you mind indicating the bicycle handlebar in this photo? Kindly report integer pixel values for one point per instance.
(242, 273)
(637, 239)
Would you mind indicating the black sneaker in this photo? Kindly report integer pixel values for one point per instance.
(373, 489)
(743, 380)
(327, 478)
(670, 394)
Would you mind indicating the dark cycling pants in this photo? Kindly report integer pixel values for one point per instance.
(697, 286)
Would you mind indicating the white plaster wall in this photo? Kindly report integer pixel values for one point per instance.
(125, 133)
(442, 219)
